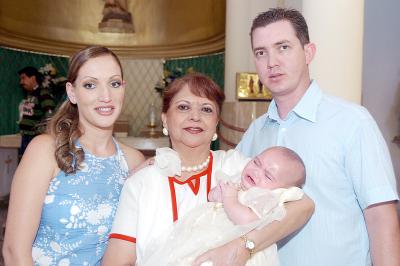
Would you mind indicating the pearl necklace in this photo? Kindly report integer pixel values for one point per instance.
(196, 168)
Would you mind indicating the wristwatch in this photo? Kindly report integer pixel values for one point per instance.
(248, 244)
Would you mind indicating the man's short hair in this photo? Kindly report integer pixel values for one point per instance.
(31, 71)
(295, 18)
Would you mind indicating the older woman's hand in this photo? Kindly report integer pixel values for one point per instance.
(147, 162)
(232, 253)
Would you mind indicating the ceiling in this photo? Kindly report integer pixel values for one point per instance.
(163, 28)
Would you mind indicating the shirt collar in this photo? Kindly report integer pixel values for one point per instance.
(306, 108)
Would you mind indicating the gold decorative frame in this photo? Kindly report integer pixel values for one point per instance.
(250, 88)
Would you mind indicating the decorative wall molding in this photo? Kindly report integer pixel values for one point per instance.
(211, 45)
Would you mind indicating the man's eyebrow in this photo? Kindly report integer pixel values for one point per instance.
(256, 49)
(282, 42)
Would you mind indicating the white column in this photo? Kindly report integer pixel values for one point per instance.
(336, 27)
(239, 58)
(238, 55)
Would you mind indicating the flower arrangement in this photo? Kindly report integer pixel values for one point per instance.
(56, 85)
(169, 76)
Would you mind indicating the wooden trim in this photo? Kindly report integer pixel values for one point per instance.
(227, 125)
(224, 140)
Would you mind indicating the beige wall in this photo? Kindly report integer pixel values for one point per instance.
(141, 77)
(336, 27)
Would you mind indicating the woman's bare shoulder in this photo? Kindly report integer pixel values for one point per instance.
(39, 157)
(42, 144)
(133, 156)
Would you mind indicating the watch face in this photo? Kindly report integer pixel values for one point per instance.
(250, 244)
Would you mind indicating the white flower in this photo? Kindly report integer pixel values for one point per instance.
(101, 230)
(74, 210)
(45, 261)
(55, 246)
(83, 167)
(168, 161)
(59, 79)
(64, 262)
(93, 217)
(49, 199)
(102, 211)
(37, 253)
(46, 83)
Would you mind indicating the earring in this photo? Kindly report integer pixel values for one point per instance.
(165, 131)
(214, 137)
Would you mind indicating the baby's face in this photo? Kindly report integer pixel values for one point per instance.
(265, 171)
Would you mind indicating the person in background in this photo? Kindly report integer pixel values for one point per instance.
(349, 171)
(66, 189)
(37, 105)
(151, 201)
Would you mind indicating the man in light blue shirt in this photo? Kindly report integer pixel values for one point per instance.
(349, 171)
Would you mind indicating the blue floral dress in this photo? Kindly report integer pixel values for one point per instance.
(78, 212)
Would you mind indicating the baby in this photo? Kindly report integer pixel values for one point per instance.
(238, 204)
(276, 167)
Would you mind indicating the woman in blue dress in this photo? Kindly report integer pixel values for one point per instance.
(66, 189)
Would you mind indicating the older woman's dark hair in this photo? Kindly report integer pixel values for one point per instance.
(199, 84)
(64, 125)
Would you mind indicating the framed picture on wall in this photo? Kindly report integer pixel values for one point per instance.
(250, 88)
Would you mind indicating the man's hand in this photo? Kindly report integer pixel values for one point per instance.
(232, 253)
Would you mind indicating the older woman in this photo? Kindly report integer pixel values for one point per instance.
(151, 202)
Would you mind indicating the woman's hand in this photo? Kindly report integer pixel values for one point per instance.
(232, 253)
(147, 162)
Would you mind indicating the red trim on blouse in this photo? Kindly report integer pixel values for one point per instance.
(209, 175)
(173, 198)
(123, 237)
(194, 187)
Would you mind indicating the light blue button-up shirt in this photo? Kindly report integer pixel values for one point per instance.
(348, 168)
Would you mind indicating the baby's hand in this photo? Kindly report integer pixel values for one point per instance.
(215, 194)
(229, 190)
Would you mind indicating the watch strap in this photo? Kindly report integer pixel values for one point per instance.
(248, 244)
